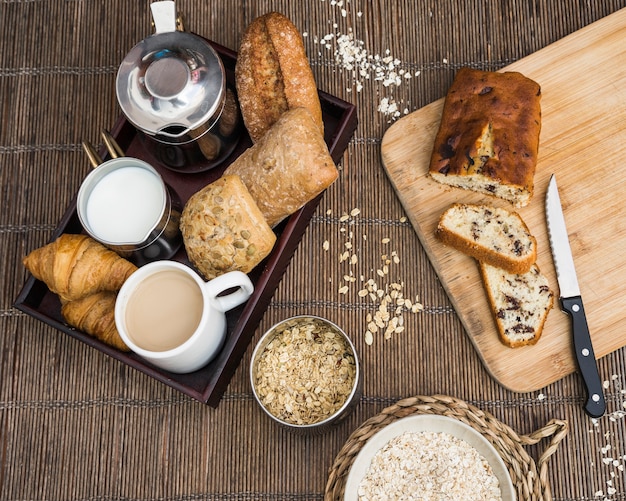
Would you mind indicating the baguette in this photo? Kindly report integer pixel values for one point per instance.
(272, 74)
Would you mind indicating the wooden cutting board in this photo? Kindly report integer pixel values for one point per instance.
(583, 141)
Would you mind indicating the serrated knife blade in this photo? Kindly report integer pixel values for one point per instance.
(571, 301)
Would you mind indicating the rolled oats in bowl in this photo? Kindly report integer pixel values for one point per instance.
(305, 373)
(429, 465)
(428, 457)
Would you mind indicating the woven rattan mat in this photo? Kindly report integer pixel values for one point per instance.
(530, 479)
(76, 424)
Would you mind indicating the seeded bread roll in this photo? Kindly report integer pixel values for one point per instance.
(224, 230)
(520, 303)
(491, 234)
(488, 139)
(273, 74)
(288, 167)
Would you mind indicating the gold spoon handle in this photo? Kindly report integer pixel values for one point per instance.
(92, 154)
(111, 145)
(114, 149)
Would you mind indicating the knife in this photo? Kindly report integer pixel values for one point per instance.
(571, 301)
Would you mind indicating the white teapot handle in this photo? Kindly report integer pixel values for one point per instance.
(164, 16)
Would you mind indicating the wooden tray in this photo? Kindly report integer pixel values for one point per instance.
(209, 383)
(583, 141)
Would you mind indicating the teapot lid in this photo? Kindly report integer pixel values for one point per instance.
(170, 82)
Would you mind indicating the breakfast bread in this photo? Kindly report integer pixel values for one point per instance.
(272, 74)
(497, 236)
(224, 230)
(520, 303)
(75, 266)
(95, 315)
(488, 138)
(289, 166)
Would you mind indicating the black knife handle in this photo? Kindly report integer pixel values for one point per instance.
(595, 405)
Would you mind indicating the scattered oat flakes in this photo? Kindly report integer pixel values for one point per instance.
(612, 459)
(387, 297)
(351, 55)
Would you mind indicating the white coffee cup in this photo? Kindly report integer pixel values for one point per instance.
(172, 318)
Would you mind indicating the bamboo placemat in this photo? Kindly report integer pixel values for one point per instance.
(78, 425)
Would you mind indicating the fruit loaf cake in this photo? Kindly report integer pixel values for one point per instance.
(497, 236)
(488, 138)
(520, 303)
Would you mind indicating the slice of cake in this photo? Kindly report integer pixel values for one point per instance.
(520, 303)
(491, 234)
(488, 138)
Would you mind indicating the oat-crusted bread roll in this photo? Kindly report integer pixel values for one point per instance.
(288, 167)
(223, 229)
(520, 303)
(491, 234)
(273, 74)
(488, 138)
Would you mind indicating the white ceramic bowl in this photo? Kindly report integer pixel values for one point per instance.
(433, 423)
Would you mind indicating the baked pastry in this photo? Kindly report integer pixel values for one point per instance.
(95, 315)
(491, 234)
(224, 230)
(75, 266)
(272, 74)
(520, 303)
(289, 166)
(488, 139)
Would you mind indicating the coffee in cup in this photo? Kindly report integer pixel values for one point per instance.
(168, 315)
(164, 310)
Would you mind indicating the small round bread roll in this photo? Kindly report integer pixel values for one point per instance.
(273, 74)
(224, 230)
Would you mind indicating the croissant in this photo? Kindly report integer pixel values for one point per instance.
(75, 266)
(95, 315)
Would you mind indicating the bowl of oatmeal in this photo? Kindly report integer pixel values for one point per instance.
(428, 456)
(305, 374)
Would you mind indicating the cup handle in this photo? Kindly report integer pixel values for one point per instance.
(232, 279)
